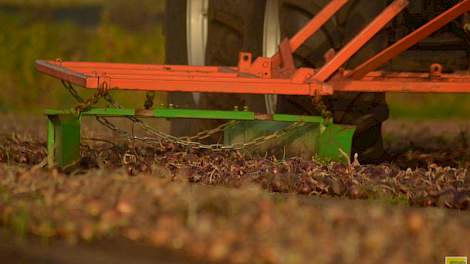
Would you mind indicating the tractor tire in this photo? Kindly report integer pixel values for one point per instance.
(176, 54)
(367, 111)
(233, 26)
(237, 25)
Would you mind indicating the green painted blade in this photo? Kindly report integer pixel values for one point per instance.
(316, 138)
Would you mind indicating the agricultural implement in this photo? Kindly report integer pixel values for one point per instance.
(275, 75)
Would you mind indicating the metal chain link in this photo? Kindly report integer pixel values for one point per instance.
(68, 86)
(159, 136)
(210, 132)
(87, 103)
(84, 104)
(189, 141)
(199, 136)
(322, 108)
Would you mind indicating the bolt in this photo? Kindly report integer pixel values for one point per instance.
(466, 27)
(235, 108)
(170, 106)
(245, 108)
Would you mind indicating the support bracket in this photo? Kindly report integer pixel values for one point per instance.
(63, 140)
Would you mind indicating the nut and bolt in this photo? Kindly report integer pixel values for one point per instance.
(466, 27)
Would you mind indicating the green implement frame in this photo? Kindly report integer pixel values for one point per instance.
(316, 138)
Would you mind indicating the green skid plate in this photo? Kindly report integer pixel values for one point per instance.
(315, 138)
(324, 141)
(63, 140)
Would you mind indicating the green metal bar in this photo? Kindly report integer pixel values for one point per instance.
(298, 118)
(162, 113)
(187, 113)
(203, 114)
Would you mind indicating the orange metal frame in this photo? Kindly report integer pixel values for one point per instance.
(278, 74)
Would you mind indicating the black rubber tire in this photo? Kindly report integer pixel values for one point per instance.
(177, 54)
(365, 110)
(233, 26)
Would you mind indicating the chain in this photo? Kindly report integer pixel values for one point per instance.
(68, 86)
(189, 141)
(208, 133)
(159, 136)
(219, 147)
(322, 108)
(84, 104)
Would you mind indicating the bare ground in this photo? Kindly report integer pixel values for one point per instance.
(159, 197)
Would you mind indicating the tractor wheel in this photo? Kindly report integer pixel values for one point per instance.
(223, 29)
(176, 49)
(246, 25)
(367, 111)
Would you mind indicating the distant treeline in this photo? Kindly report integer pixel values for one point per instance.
(115, 31)
(127, 14)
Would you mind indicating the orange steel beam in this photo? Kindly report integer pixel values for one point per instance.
(316, 23)
(361, 39)
(410, 40)
(312, 27)
(402, 86)
(179, 79)
(405, 82)
(229, 80)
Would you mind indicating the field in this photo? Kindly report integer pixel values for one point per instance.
(163, 202)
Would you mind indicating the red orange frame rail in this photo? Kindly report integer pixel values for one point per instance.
(278, 74)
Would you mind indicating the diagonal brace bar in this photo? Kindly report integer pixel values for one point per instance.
(360, 40)
(410, 40)
(311, 28)
(316, 23)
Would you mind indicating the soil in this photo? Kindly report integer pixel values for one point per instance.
(31, 249)
(233, 207)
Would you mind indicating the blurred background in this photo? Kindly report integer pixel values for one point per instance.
(117, 31)
(81, 30)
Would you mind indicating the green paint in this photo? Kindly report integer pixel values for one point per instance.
(203, 114)
(63, 140)
(50, 142)
(335, 141)
(314, 139)
(331, 142)
(297, 118)
(162, 113)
